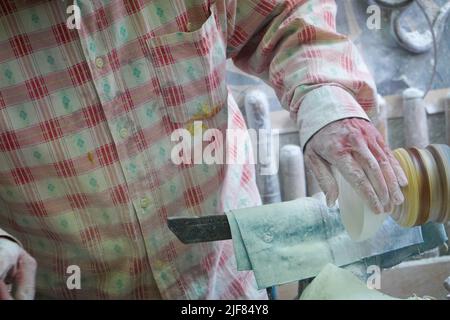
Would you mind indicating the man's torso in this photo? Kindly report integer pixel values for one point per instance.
(86, 176)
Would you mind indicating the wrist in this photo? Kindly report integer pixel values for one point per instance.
(323, 106)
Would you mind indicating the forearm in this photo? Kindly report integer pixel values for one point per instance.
(317, 72)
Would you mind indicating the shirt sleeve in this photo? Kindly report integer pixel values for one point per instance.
(4, 234)
(317, 73)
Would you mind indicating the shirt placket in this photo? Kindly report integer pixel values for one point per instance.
(109, 91)
(122, 132)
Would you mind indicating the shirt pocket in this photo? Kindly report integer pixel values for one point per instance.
(191, 71)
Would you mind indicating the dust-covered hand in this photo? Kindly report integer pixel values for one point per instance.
(17, 270)
(356, 148)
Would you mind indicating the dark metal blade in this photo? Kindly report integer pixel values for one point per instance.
(204, 229)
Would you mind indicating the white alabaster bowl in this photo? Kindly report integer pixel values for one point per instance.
(359, 220)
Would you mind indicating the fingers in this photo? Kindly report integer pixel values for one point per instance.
(355, 175)
(389, 207)
(357, 149)
(324, 175)
(9, 252)
(25, 278)
(371, 167)
(17, 267)
(10, 275)
(399, 173)
(392, 181)
(6, 263)
(4, 292)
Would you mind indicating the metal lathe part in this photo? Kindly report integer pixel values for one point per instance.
(203, 229)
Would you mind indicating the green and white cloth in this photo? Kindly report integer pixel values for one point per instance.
(295, 240)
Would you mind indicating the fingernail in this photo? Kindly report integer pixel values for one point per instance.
(387, 208)
(403, 181)
(398, 198)
(378, 208)
(330, 202)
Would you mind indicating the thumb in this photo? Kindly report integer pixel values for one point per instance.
(25, 278)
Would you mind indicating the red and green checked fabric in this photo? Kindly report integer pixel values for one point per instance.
(86, 176)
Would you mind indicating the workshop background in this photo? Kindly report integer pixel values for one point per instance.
(395, 69)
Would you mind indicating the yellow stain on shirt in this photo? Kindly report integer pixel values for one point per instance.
(90, 156)
(191, 128)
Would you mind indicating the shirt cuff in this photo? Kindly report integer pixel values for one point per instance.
(6, 235)
(323, 106)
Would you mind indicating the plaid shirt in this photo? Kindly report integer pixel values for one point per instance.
(86, 176)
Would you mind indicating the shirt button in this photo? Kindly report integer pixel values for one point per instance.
(99, 62)
(123, 133)
(145, 202)
(268, 237)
